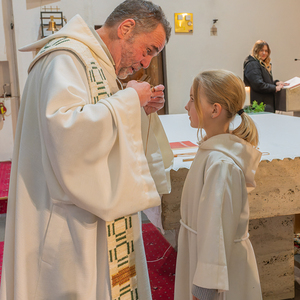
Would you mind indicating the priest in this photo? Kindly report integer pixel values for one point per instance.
(88, 158)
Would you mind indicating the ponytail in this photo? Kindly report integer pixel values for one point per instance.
(247, 130)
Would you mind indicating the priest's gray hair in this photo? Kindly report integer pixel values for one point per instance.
(146, 14)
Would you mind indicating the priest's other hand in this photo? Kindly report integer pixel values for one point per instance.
(157, 100)
(143, 89)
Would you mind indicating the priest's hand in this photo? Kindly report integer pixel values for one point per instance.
(157, 100)
(143, 89)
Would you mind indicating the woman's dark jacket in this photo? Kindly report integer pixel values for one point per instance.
(262, 86)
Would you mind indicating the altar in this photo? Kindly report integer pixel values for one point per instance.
(273, 203)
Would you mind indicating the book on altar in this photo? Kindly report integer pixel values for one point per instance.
(295, 81)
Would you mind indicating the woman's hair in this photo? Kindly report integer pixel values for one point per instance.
(227, 89)
(257, 47)
(146, 14)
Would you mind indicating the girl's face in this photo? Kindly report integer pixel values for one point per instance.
(205, 107)
(190, 107)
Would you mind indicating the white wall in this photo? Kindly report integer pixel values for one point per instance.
(4, 71)
(3, 56)
(240, 24)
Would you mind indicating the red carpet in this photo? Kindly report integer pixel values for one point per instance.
(5, 167)
(161, 271)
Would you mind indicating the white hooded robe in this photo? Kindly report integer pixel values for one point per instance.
(214, 251)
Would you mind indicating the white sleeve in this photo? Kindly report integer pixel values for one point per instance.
(159, 154)
(95, 150)
(218, 217)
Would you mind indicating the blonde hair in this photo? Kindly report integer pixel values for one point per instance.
(257, 47)
(227, 89)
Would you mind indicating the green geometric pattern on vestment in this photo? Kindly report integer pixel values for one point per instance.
(99, 87)
(120, 240)
(97, 78)
(121, 258)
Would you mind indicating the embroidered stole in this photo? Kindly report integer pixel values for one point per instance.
(120, 239)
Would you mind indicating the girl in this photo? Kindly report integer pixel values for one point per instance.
(215, 257)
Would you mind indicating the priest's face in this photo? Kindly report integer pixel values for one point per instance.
(138, 50)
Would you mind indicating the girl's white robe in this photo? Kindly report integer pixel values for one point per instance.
(75, 166)
(213, 249)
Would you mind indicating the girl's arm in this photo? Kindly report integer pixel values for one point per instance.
(217, 222)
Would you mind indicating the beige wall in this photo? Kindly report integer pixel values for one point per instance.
(240, 24)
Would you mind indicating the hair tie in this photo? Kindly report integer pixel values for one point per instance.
(240, 111)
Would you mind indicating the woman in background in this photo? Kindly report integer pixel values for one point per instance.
(258, 75)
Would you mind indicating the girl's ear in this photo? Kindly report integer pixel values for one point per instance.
(217, 109)
(125, 28)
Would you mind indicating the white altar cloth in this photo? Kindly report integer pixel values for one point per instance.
(279, 135)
